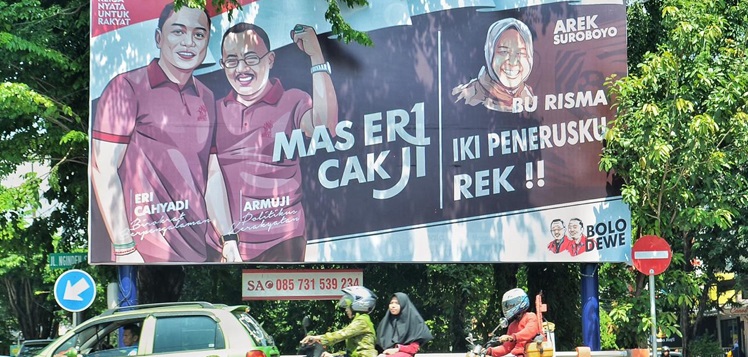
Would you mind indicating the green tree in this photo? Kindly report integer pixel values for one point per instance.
(679, 145)
(43, 96)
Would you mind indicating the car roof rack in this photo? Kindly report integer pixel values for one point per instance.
(202, 304)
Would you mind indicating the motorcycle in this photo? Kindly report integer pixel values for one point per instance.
(543, 345)
(479, 350)
(309, 349)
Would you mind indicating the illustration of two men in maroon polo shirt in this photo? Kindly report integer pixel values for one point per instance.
(181, 177)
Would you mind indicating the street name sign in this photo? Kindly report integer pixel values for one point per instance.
(66, 260)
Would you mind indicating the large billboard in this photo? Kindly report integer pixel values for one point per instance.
(470, 131)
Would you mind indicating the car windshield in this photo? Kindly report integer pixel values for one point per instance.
(258, 334)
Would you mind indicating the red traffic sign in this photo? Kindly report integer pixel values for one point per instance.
(651, 255)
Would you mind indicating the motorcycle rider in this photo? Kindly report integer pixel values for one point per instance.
(665, 351)
(359, 336)
(523, 325)
(402, 331)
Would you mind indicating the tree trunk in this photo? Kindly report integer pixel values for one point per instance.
(684, 322)
(504, 278)
(33, 315)
(559, 283)
(160, 283)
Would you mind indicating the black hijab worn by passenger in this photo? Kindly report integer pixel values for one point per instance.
(404, 328)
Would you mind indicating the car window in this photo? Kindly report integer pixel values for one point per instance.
(187, 333)
(108, 344)
(76, 341)
(260, 337)
(95, 340)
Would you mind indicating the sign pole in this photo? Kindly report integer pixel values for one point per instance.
(77, 318)
(651, 255)
(652, 311)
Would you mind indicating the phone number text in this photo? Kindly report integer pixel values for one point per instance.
(301, 284)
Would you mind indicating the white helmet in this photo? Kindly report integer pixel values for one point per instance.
(514, 303)
(358, 298)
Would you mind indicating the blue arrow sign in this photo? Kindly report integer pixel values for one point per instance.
(75, 290)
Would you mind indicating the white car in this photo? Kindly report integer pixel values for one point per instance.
(184, 329)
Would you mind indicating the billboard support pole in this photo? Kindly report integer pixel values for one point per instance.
(590, 307)
(128, 291)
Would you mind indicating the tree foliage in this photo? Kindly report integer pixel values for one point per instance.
(340, 27)
(679, 144)
(43, 101)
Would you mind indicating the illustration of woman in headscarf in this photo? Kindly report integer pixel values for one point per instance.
(509, 58)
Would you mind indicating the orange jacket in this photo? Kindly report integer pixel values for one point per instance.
(523, 330)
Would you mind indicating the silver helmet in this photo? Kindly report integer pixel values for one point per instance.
(358, 298)
(514, 303)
